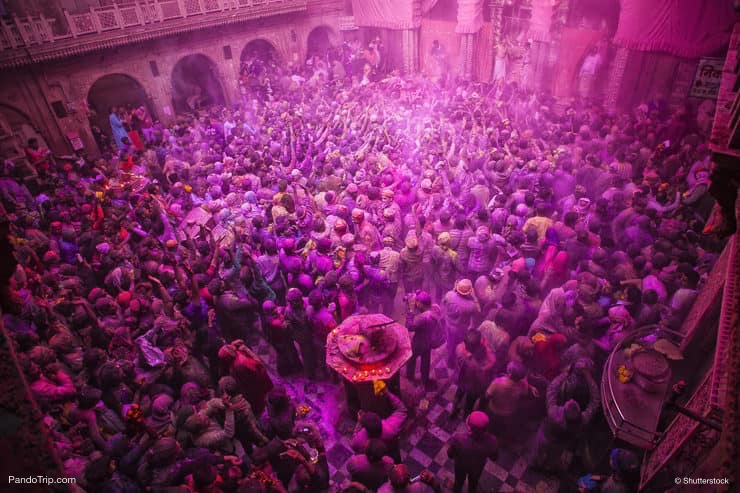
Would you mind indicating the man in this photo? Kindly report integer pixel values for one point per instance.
(411, 265)
(459, 307)
(38, 156)
(505, 396)
(540, 222)
(424, 323)
(444, 262)
(400, 482)
(483, 252)
(322, 323)
(372, 467)
(234, 306)
(252, 378)
(390, 262)
(365, 232)
(119, 131)
(476, 364)
(371, 427)
(471, 450)
(300, 328)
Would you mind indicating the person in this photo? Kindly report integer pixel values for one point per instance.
(38, 157)
(252, 378)
(426, 325)
(370, 427)
(459, 308)
(399, 481)
(624, 476)
(246, 427)
(566, 418)
(483, 253)
(444, 265)
(505, 397)
(116, 124)
(299, 326)
(411, 265)
(475, 363)
(471, 450)
(372, 467)
(588, 72)
(278, 334)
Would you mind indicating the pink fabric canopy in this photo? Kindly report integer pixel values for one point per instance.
(539, 25)
(387, 14)
(390, 14)
(686, 28)
(469, 16)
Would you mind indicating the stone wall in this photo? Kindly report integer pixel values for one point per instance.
(31, 90)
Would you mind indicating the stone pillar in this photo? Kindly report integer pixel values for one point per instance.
(497, 13)
(467, 45)
(410, 50)
(616, 75)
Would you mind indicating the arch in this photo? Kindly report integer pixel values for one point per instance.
(17, 124)
(196, 83)
(260, 49)
(114, 90)
(320, 40)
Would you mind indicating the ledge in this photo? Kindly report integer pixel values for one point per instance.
(95, 42)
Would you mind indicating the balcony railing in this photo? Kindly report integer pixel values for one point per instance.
(18, 32)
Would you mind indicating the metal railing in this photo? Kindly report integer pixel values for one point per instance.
(21, 32)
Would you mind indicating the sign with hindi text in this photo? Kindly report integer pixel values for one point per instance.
(707, 78)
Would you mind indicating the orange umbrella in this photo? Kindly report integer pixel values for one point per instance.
(369, 347)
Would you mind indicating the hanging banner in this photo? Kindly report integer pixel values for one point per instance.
(707, 78)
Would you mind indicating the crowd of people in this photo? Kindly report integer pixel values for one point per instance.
(526, 240)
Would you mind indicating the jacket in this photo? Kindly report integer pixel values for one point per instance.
(391, 427)
(470, 453)
(459, 311)
(483, 255)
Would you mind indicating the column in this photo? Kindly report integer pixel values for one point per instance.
(414, 33)
(616, 75)
(497, 10)
(406, 50)
(466, 55)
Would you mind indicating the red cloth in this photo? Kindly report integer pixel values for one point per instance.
(686, 28)
(127, 165)
(37, 157)
(547, 355)
(254, 382)
(135, 139)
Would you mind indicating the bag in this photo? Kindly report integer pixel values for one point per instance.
(437, 335)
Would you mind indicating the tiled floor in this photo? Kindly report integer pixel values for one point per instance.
(423, 444)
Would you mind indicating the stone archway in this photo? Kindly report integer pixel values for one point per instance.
(114, 90)
(260, 49)
(16, 128)
(196, 84)
(320, 40)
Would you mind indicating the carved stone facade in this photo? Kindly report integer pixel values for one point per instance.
(616, 74)
(683, 446)
(30, 90)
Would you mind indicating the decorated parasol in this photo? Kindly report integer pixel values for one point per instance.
(364, 348)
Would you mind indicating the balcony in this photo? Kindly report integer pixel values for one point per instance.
(29, 40)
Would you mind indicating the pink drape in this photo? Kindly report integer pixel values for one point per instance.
(574, 44)
(539, 24)
(469, 16)
(386, 14)
(686, 28)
